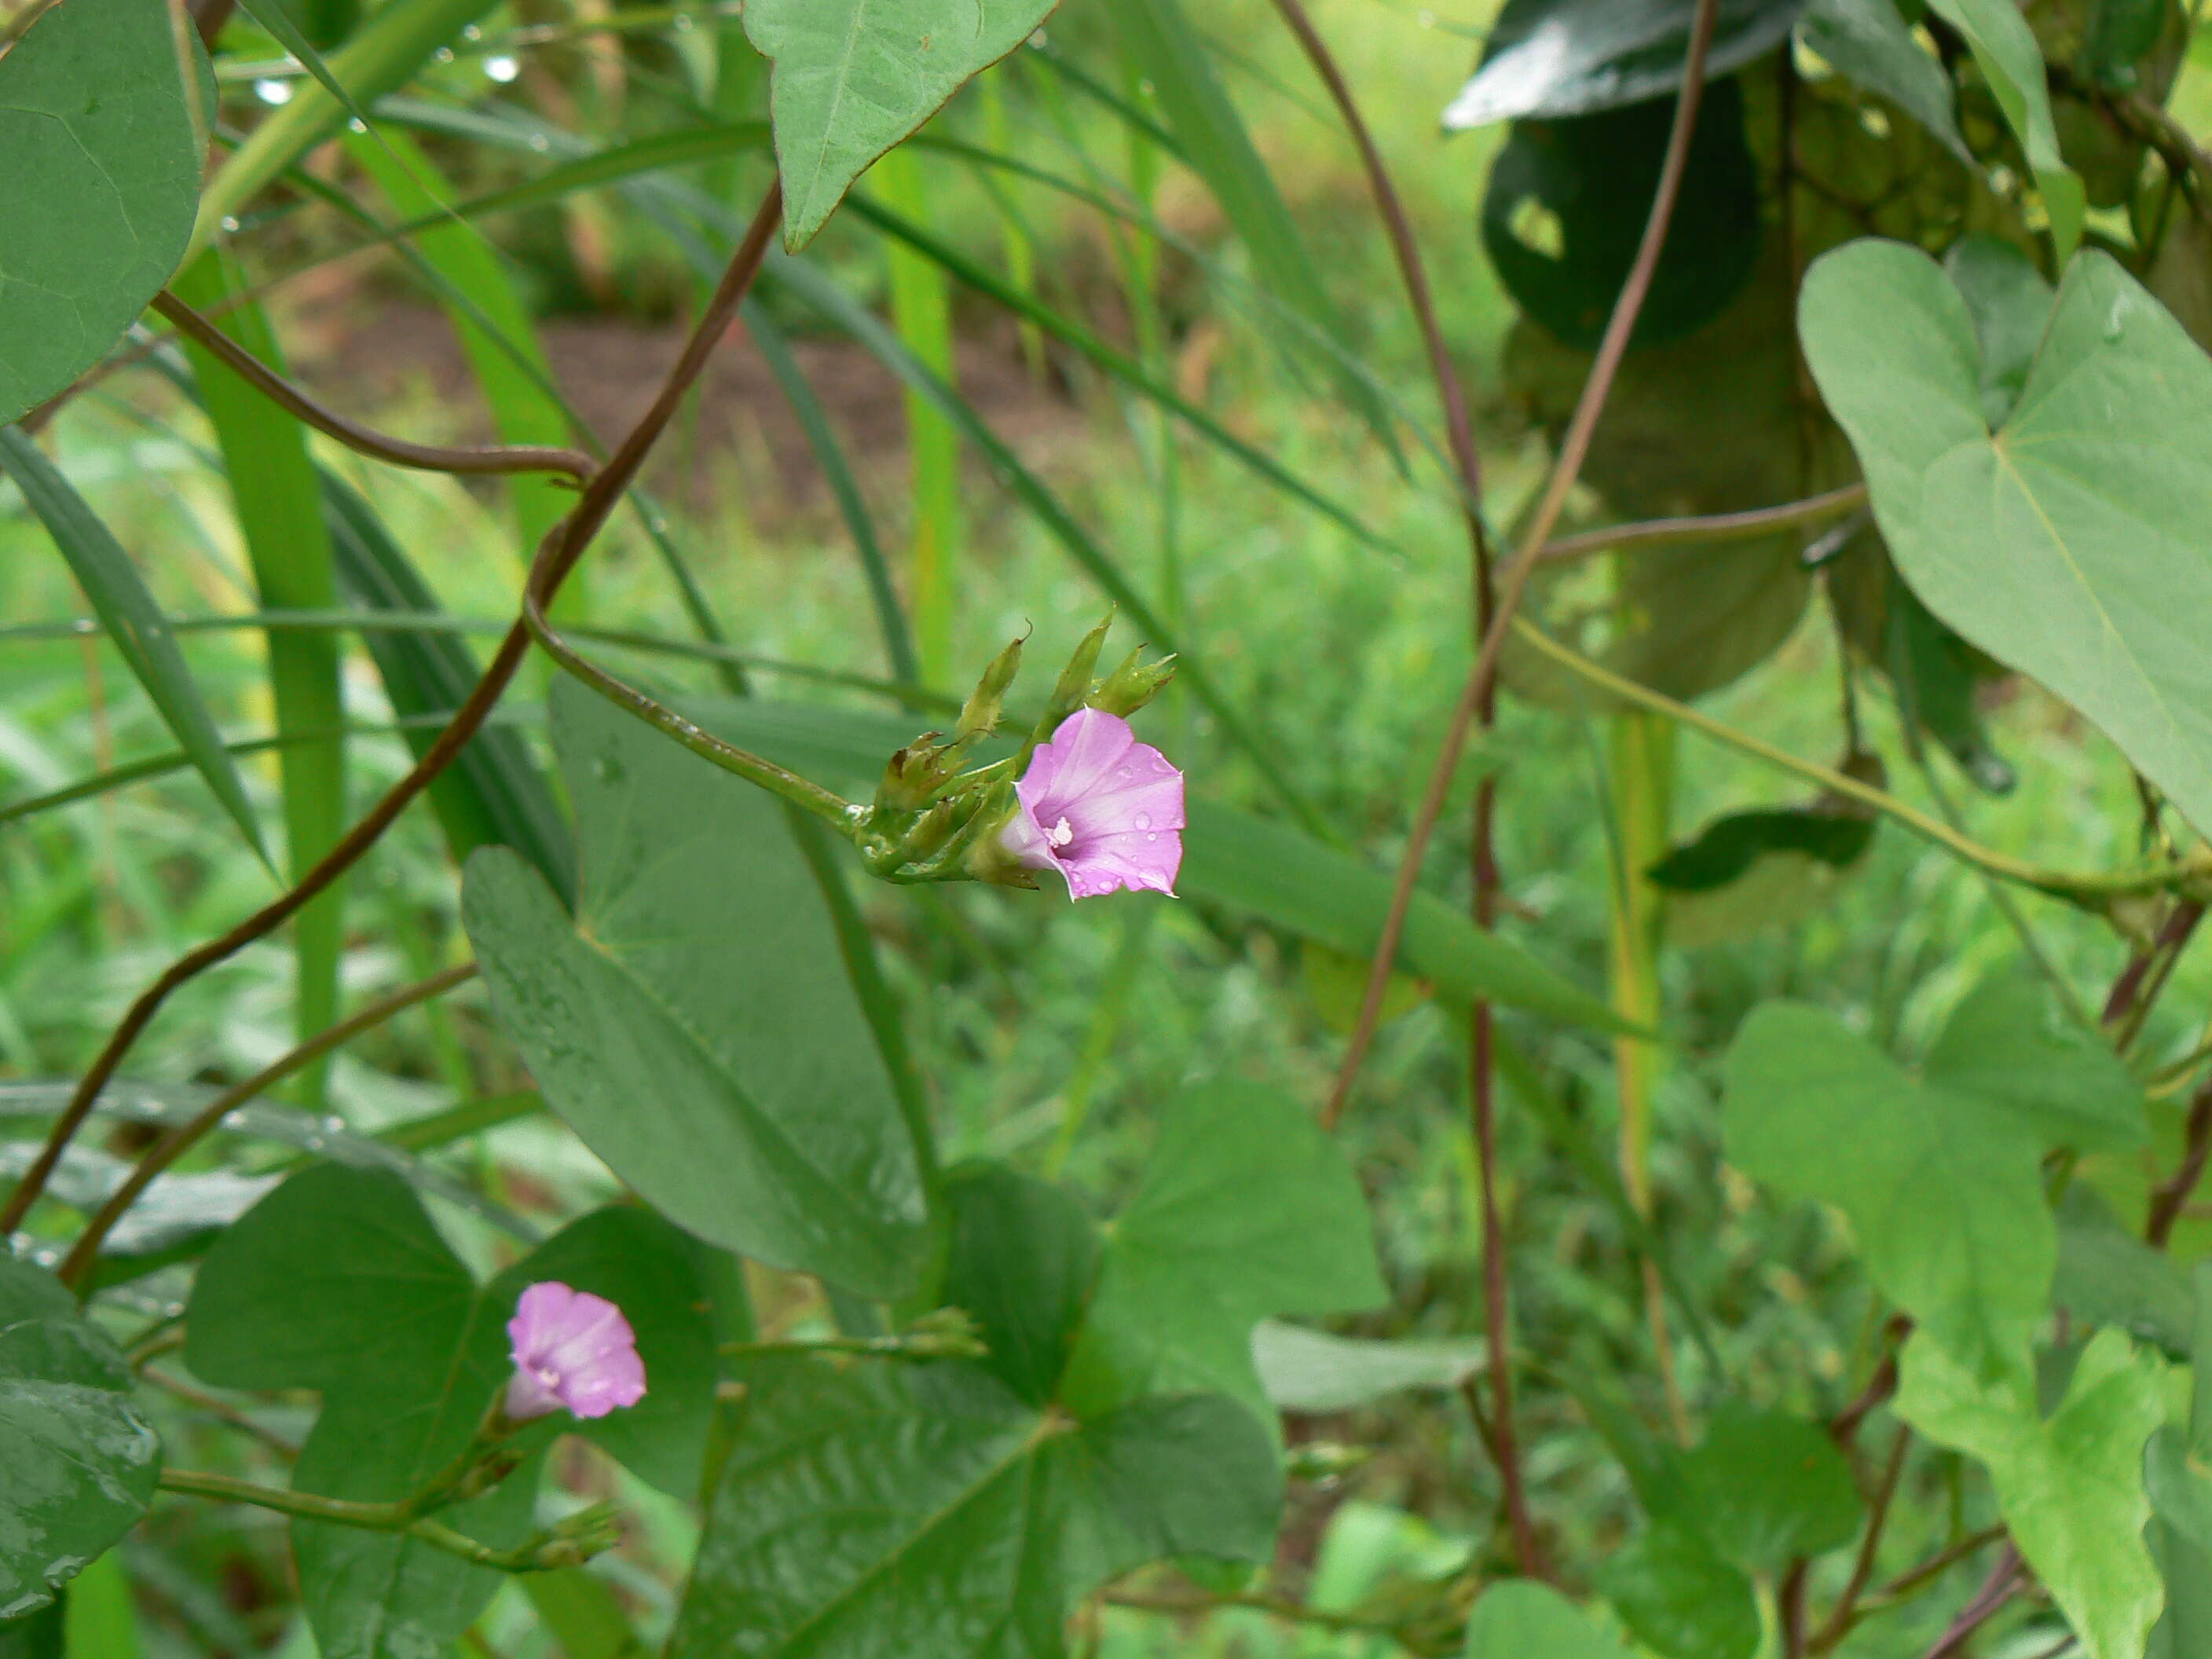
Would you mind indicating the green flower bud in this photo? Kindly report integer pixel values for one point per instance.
(1134, 684)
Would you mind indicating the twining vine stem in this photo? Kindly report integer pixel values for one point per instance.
(77, 1270)
(1706, 527)
(563, 546)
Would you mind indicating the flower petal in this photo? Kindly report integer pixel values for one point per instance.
(1079, 760)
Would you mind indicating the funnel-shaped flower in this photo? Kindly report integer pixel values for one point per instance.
(572, 1350)
(1101, 808)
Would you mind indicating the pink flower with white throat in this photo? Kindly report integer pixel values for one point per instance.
(573, 1351)
(1100, 808)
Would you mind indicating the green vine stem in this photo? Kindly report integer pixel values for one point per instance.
(1707, 527)
(78, 1271)
(2096, 892)
(569, 1544)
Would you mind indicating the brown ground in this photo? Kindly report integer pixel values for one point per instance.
(610, 369)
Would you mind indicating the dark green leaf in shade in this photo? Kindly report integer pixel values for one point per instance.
(1247, 1210)
(133, 622)
(1724, 850)
(2120, 34)
(1938, 677)
(1943, 1190)
(1023, 1259)
(1305, 1371)
(40, 1635)
(1566, 206)
(1680, 1598)
(1547, 59)
(2109, 1276)
(853, 77)
(926, 1510)
(2070, 1486)
(2005, 1043)
(2178, 1476)
(1521, 1619)
(2068, 542)
(694, 1023)
(1868, 42)
(2185, 1547)
(77, 1463)
(1765, 1487)
(100, 188)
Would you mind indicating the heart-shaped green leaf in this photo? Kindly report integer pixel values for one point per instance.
(694, 1022)
(77, 1463)
(100, 190)
(1521, 1619)
(2070, 542)
(855, 77)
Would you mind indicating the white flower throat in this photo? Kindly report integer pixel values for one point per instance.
(1060, 834)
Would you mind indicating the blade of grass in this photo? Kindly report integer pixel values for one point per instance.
(921, 311)
(520, 411)
(273, 491)
(133, 622)
(768, 337)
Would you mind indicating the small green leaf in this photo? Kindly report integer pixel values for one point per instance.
(2066, 544)
(102, 184)
(1305, 1371)
(134, 623)
(2179, 1480)
(1765, 1487)
(2004, 46)
(1943, 1190)
(1681, 1600)
(1725, 851)
(2006, 1044)
(77, 1463)
(1521, 1619)
(1247, 1210)
(853, 77)
(694, 1023)
(1870, 43)
(2071, 1487)
(1547, 59)
(931, 1501)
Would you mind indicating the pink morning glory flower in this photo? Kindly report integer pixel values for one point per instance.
(1101, 808)
(572, 1350)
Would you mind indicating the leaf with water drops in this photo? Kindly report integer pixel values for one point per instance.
(77, 1463)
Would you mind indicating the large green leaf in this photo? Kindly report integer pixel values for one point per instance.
(853, 77)
(1868, 42)
(2069, 543)
(2070, 1487)
(1941, 1189)
(1681, 1600)
(77, 1463)
(134, 623)
(357, 1294)
(1547, 58)
(1247, 1211)
(1022, 1259)
(1765, 1487)
(929, 1511)
(692, 1022)
(102, 184)
(2108, 1276)
(2005, 49)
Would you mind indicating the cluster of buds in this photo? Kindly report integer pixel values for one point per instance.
(1082, 797)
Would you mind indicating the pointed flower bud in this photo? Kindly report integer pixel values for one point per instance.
(1134, 684)
(978, 715)
(573, 1350)
(1100, 808)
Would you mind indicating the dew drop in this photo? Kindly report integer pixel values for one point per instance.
(501, 68)
(1144, 820)
(230, 221)
(444, 54)
(273, 93)
(356, 124)
(233, 1120)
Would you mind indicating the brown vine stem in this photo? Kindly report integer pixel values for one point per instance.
(1840, 1620)
(1467, 458)
(495, 461)
(561, 548)
(2170, 1197)
(2004, 1580)
(1707, 527)
(1573, 448)
(83, 1256)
